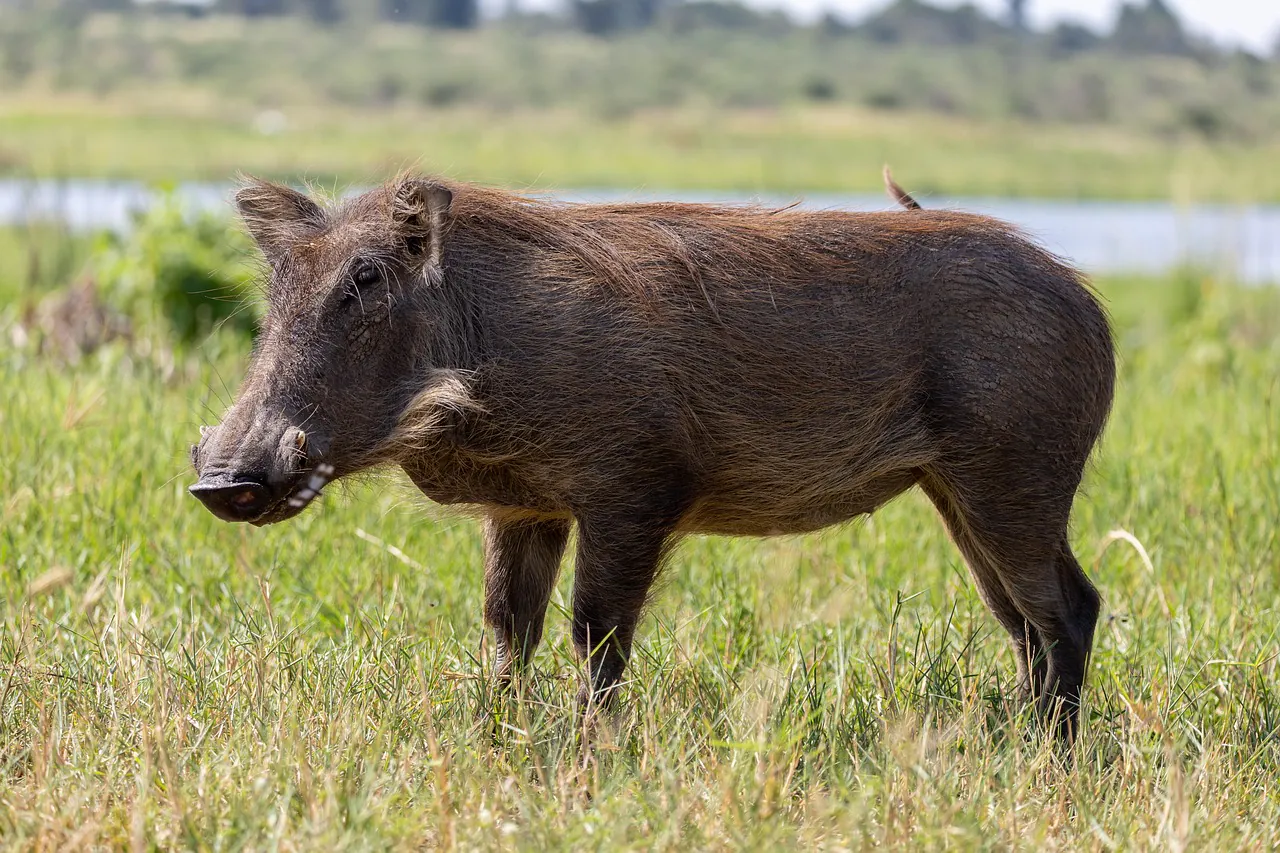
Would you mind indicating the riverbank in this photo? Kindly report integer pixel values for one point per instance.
(172, 134)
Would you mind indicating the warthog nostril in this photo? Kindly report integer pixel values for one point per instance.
(233, 501)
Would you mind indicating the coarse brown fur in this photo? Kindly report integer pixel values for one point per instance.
(651, 370)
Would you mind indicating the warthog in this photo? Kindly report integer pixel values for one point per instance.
(651, 370)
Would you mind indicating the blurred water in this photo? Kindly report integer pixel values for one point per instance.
(1099, 236)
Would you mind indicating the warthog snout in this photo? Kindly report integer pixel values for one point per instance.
(251, 479)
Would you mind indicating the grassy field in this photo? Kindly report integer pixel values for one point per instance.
(174, 135)
(161, 97)
(170, 681)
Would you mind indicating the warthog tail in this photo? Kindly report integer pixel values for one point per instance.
(897, 193)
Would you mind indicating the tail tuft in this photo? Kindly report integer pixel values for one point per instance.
(897, 193)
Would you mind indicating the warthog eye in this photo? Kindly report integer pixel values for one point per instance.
(366, 275)
(363, 276)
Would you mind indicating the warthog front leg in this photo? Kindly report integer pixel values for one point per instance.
(521, 562)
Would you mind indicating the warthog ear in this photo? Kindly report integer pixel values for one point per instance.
(277, 216)
(420, 210)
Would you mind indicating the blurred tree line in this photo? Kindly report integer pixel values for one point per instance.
(1141, 26)
(613, 58)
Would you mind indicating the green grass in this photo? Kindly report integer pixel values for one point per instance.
(38, 257)
(167, 680)
(788, 150)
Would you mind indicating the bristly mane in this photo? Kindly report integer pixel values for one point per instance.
(633, 248)
(636, 250)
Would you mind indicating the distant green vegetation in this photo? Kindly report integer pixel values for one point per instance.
(268, 62)
(35, 259)
(169, 679)
(958, 104)
(789, 151)
(283, 62)
(190, 274)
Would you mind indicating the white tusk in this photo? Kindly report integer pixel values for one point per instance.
(322, 474)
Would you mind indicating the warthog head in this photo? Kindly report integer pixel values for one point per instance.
(342, 354)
